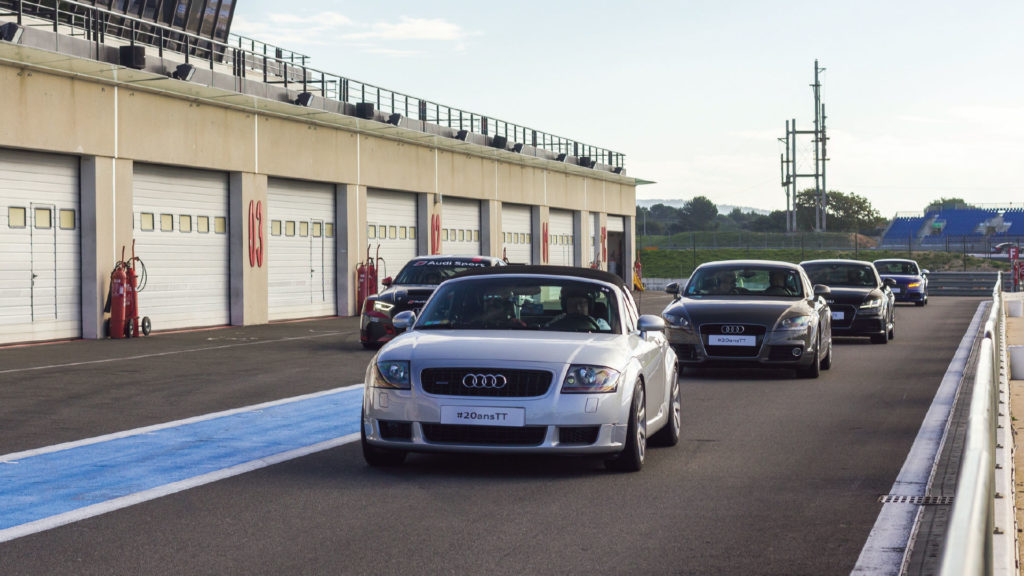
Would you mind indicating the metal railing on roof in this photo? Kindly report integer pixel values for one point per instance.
(249, 58)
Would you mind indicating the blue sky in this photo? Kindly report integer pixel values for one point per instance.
(924, 99)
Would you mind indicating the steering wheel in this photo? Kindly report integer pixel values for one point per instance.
(575, 323)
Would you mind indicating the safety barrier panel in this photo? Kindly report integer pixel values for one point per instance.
(981, 538)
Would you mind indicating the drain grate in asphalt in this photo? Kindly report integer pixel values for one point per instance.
(919, 500)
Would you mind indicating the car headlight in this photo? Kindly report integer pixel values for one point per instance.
(914, 285)
(392, 374)
(795, 323)
(590, 380)
(379, 306)
(872, 303)
(677, 320)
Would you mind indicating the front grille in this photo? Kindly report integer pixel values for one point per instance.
(412, 300)
(783, 353)
(393, 430)
(849, 313)
(520, 383)
(578, 434)
(733, 351)
(491, 435)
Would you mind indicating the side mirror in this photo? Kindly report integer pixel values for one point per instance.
(890, 282)
(821, 290)
(672, 288)
(925, 272)
(404, 320)
(650, 323)
(387, 282)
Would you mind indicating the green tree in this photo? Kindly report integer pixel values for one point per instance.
(844, 212)
(947, 204)
(700, 213)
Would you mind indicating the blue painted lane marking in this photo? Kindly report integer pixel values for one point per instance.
(52, 483)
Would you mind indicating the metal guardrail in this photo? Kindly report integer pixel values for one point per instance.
(979, 513)
(277, 66)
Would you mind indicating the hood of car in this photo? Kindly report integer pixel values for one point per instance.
(415, 295)
(853, 296)
(518, 346)
(738, 310)
(904, 278)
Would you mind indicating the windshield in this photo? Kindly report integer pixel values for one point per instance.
(435, 271)
(857, 275)
(518, 303)
(896, 267)
(746, 280)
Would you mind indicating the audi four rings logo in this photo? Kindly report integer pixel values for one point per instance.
(733, 329)
(494, 381)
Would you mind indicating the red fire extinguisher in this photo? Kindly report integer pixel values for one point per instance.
(118, 279)
(125, 285)
(366, 279)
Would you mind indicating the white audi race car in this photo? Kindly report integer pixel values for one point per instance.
(522, 359)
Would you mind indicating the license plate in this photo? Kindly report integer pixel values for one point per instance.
(895, 290)
(483, 416)
(726, 340)
(837, 315)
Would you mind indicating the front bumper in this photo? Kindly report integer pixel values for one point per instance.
(411, 420)
(775, 350)
(376, 329)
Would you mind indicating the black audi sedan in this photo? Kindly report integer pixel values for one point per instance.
(911, 280)
(862, 302)
(750, 313)
(409, 290)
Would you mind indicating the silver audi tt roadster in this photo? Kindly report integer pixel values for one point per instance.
(751, 313)
(524, 359)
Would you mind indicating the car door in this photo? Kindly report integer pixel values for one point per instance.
(650, 352)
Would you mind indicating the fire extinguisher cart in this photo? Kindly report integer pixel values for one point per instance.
(126, 281)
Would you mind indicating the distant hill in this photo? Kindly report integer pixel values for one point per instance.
(722, 208)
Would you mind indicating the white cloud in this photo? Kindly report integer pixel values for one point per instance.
(411, 29)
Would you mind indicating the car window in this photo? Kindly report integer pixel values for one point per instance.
(518, 303)
(840, 274)
(745, 280)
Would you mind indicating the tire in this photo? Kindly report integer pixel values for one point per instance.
(826, 362)
(370, 345)
(921, 303)
(147, 326)
(632, 457)
(379, 457)
(882, 338)
(669, 434)
(892, 331)
(812, 370)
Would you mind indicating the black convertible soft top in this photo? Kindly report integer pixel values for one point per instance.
(587, 273)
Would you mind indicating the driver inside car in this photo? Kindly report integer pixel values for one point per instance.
(576, 307)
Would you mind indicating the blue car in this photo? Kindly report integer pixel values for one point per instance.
(911, 280)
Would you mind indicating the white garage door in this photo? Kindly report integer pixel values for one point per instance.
(616, 224)
(300, 252)
(516, 233)
(181, 235)
(560, 238)
(391, 226)
(40, 246)
(460, 226)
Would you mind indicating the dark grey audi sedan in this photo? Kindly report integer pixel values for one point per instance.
(751, 313)
(862, 301)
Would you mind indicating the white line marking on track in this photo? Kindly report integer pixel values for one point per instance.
(167, 489)
(169, 353)
(14, 456)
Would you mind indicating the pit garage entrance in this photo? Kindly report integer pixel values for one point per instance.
(391, 226)
(460, 223)
(40, 236)
(181, 235)
(561, 241)
(301, 250)
(517, 237)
